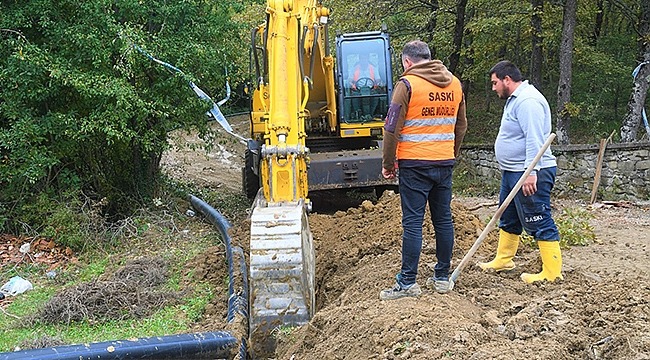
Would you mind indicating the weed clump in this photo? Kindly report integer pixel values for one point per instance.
(133, 291)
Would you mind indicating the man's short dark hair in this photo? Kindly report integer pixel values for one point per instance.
(417, 50)
(506, 68)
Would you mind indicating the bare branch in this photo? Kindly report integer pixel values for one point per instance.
(15, 32)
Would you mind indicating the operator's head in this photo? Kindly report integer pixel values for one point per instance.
(415, 52)
(505, 78)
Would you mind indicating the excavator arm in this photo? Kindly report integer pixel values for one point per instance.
(281, 249)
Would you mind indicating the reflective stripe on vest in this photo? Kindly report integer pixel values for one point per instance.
(428, 132)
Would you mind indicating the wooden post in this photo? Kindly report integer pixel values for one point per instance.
(599, 166)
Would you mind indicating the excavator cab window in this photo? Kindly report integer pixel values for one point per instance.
(364, 77)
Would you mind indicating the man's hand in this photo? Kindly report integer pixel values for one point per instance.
(388, 174)
(530, 185)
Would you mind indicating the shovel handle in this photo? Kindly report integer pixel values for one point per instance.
(490, 226)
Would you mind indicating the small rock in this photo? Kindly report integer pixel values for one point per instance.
(24, 248)
(367, 206)
(492, 318)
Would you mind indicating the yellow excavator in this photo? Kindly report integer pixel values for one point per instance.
(315, 125)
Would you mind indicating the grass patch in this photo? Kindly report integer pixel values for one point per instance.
(573, 225)
(162, 230)
(172, 319)
(166, 321)
(283, 331)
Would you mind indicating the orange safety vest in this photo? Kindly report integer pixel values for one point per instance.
(428, 132)
(357, 72)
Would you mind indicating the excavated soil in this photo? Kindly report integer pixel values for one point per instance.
(599, 311)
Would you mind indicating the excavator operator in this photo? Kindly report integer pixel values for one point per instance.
(364, 79)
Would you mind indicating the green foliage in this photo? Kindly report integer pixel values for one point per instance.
(81, 109)
(283, 331)
(195, 306)
(573, 225)
(234, 206)
(69, 222)
(168, 320)
(171, 319)
(401, 347)
(93, 269)
(602, 64)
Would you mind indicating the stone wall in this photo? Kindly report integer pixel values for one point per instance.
(625, 173)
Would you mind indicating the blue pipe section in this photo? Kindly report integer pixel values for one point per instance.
(237, 303)
(216, 344)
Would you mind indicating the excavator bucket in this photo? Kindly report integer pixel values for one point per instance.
(282, 272)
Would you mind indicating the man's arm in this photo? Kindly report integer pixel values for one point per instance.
(394, 123)
(530, 115)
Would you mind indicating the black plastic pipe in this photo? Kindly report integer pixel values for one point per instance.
(237, 302)
(214, 344)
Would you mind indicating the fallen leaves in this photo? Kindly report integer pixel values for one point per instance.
(41, 251)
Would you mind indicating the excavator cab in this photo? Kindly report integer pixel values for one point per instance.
(364, 80)
(345, 112)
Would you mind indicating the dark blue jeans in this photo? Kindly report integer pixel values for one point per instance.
(417, 187)
(530, 213)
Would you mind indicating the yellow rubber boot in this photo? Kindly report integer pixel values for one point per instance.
(551, 263)
(506, 250)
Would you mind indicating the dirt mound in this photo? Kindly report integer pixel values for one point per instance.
(211, 266)
(371, 235)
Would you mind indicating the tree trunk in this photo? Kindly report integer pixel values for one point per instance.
(459, 29)
(598, 24)
(430, 28)
(469, 56)
(564, 85)
(536, 56)
(632, 119)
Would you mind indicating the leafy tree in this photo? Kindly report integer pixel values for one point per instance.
(528, 34)
(536, 53)
(80, 109)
